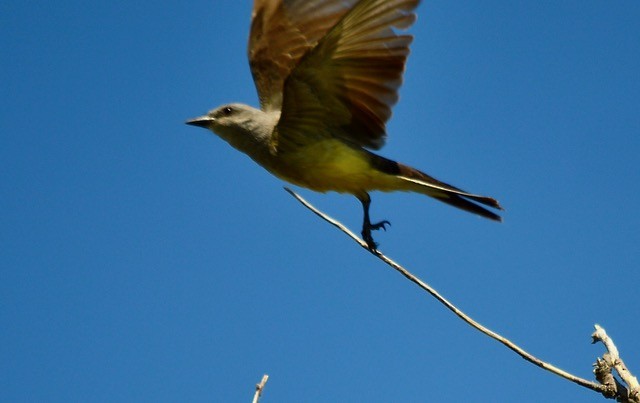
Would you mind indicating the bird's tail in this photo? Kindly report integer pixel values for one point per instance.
(454, 196)
(420, 182)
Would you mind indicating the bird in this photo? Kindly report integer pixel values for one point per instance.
(327, 73)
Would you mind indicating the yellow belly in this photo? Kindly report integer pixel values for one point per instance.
(331, 165)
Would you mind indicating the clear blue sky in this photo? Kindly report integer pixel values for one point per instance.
(145, 260)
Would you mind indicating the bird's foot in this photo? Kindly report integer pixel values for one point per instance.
(366, 233)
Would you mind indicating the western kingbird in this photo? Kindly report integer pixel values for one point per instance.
(327, 74)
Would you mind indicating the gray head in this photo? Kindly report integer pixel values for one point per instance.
(242, 126)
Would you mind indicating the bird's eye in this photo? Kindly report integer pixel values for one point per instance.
(227, 111)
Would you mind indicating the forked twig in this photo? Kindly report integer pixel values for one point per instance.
(627, 392)
(524, 354)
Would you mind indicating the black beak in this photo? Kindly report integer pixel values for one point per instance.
(202, 121)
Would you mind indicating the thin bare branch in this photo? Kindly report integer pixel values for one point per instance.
(509, 344)
(260, 387)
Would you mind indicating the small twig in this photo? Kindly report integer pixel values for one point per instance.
(260, 387)
(631, 392)
(509, 344)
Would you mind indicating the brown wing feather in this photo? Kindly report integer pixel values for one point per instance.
(282, 31)
(350, 80)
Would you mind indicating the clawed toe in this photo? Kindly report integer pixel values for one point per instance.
(371, 244)
(366, 233)
(379, 225)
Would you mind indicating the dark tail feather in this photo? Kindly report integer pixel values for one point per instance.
(455, 196)
(438, 190)
(466, 205)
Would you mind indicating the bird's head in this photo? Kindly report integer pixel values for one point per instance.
(226, 116)
(240, 125)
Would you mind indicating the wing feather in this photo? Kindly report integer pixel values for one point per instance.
(348, 82)
(282, 32)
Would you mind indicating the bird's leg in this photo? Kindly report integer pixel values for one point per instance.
(367, 227)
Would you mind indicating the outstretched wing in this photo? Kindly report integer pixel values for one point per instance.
(282, 32)
(349, 81)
